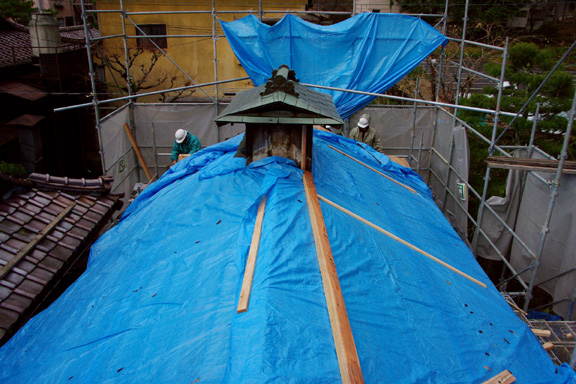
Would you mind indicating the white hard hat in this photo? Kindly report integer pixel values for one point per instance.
(180, 135)
(363, 122)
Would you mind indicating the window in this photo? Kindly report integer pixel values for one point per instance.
(152, 30)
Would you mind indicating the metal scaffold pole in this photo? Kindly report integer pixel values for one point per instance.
(437, 94)
(128, 77)
(93, 83)
(491, 148)
(215, 44)
(412, 136)
(554, 186)
(456, 101)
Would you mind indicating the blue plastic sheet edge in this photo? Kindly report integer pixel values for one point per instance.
(369, 52)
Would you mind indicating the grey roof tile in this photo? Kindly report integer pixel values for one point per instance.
(22, 217)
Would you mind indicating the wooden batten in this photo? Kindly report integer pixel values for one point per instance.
(504, 377)
(251, 261)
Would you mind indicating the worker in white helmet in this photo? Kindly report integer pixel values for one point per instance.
(365, 134)
(185, 143)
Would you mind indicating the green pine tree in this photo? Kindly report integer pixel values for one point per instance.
(17, 10)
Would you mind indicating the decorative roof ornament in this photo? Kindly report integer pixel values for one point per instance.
(281, 100)
(283, 79)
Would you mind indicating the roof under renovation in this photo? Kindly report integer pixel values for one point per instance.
(158, 302)
(160, 299)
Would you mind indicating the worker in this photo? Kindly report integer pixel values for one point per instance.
(365, 134)
(185, 143)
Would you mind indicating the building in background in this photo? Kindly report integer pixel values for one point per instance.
(41, 69)
(186, 48)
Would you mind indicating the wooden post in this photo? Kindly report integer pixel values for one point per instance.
(28, 247)
(251, 262)
(304, 148)
(137, 150)
(348, 361)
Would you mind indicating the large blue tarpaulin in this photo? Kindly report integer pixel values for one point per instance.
(369, 52)
(158, 301)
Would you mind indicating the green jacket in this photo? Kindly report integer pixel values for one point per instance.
(190, 145)
(370, 137)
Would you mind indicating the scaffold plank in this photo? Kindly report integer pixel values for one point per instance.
(537, 165)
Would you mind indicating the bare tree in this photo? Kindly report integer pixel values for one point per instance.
(144, 74)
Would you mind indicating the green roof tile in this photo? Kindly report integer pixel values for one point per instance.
(307, 106)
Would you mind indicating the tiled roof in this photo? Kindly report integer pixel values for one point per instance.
(16, 46)
(76, 34)
(23, 91)
(24, 217)
(100, 185)
(271, 104)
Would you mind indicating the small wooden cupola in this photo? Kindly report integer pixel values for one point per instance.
(279, 117)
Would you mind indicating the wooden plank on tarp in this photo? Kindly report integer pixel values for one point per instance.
(348, 361)
(251, 261)
(373, 169)
(402, 241)
(504, 377)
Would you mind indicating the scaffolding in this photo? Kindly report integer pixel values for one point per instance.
(434, 165)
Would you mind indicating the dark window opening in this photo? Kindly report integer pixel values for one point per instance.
(152, 30)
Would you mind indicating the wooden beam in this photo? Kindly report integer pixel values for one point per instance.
(373, 169)
(413, 247)
(400, 161)
(536, 165)
(251, 261)
(348, 361)
(28, 247)
(504, 377)
(137, 150)
(304, 149)
(548, 346)
(542, 332)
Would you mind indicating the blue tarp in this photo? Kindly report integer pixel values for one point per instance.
(369, 52)
(158, 301)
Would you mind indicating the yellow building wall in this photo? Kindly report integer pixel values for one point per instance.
(195, 55)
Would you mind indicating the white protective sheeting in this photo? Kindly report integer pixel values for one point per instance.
(120, 160)
(526, 212)
(154, 127)
(399, 127)
(402, 127)
(559, 252)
